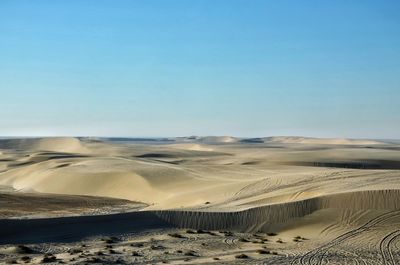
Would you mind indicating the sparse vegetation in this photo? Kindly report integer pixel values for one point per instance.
(74, 251)
(95, 260)
(176, 235)
(21, 249)
(263, 251)
(191, 253)
(228, 233)
(112, 240)
(48, 258)
(137, 245)
(157, 247)
(241, 256)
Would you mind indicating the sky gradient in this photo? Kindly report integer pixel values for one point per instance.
(174, 68)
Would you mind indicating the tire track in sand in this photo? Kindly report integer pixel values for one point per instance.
(385, 247)
(316, 256)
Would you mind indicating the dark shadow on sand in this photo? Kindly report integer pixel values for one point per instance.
(69, 229)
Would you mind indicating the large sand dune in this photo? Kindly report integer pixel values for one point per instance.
(319, 188)
(167, 176)
(263, 217)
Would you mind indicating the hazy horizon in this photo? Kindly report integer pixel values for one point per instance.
(187, 136)
(168, 68)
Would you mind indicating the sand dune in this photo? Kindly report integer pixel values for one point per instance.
(217, 139)
(258, 219)
(59, 144)
(308, 140)
(40, 205)
(168, 176)
(319, 188)
(262, 218)
(207, 139)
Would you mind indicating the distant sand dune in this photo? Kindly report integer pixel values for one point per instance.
(59, 144)
(308, 140)
(356, 164)
(194, 147)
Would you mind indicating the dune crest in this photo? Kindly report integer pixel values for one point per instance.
(261, 218)
(309, 140)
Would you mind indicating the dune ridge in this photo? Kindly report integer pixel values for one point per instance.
(312, 140)
(257, 219)
(260, 218)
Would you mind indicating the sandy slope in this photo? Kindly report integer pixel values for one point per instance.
(42, 205)
(59, 144)
(319, 188)
(231, 176)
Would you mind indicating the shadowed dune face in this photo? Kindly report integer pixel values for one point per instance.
(262, 218)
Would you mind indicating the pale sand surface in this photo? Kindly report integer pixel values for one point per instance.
(333, 201)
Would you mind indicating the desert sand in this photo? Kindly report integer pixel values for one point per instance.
(192, 200)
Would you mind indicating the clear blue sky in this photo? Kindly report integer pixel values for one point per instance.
(172, 68)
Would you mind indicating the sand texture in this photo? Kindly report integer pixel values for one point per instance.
(208, 200)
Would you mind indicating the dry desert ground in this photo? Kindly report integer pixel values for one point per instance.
(199, 200)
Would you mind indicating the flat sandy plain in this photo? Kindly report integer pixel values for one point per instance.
(199, 200)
